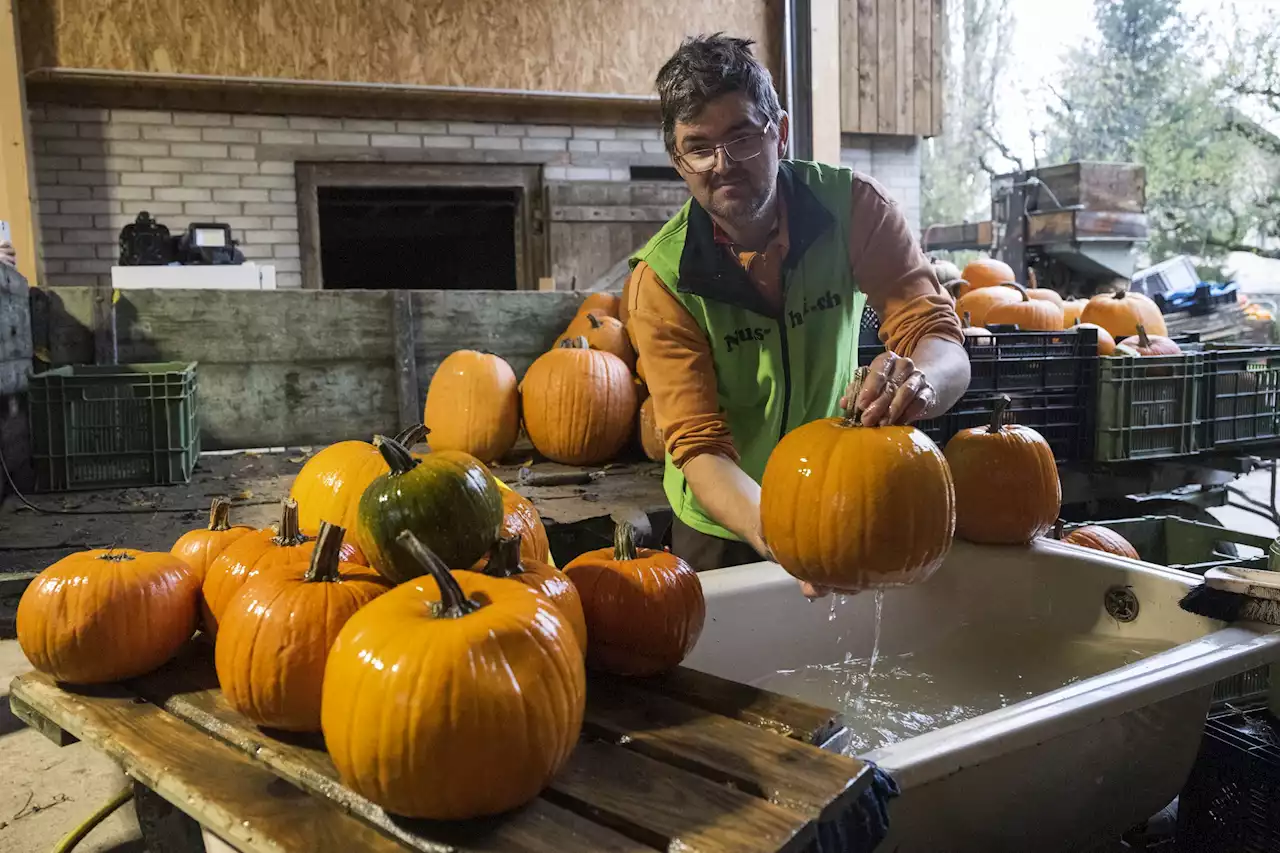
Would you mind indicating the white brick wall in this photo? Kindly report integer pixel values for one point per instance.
(96, 169)
(894, 161)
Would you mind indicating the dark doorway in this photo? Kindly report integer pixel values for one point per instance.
(418, 238)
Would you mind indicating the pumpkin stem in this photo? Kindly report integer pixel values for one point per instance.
(954, 285)
(1057, 530)
(415, 434)
(1122, 290)
(965, 322)
(1143, 340)
(325, 558)
(577, 342)
(594, 321)
(998, 410)
(504, 559)
(114, 557)
(290, 533)
(397, 457)
(624, 541)
(220, 514)
(1017, 287)
(454, 603)
(852, 417)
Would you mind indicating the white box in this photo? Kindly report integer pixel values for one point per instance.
(246, 276)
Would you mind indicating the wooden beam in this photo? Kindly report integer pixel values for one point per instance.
(824, 78)
(15, 169)
(406, 363)
(868, 67)
(922, 77)
(103, 309)
(938, 80)
(850, 105)
(904, 100)
(887, 65)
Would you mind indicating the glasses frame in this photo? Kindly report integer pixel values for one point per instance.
(723, 148)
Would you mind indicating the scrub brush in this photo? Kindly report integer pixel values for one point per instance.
(1236, 595)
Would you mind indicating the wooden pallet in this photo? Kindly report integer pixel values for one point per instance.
(688, 761)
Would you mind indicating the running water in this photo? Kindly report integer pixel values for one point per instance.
(875, 651)
(835, 599)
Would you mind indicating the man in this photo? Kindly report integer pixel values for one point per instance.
(745, 308)
(8, 255)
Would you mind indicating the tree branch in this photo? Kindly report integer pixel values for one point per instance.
(1003, 149)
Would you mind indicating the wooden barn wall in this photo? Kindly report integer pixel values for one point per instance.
(589, 46)
(596, 224)
(303, 367)
(891, 66)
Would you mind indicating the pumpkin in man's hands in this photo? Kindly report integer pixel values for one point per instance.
(200, 547)
(105, 615)
(453, 696)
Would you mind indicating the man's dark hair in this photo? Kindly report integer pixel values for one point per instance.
(706, 67)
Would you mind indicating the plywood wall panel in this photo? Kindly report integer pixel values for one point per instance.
(590, 46)
(891, 76)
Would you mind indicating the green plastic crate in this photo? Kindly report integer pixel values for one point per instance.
(1149, 407)
(1191, 546)
(120, 425)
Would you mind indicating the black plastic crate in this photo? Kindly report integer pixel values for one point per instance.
(1062, 418)
(1231, 802)
(1025, 361)
(1242, 400)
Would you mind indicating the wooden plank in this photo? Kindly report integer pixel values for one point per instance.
(850, 113)
(922, 69)
(105, 340)
(938, 20)
(618, 213)
(52, 732)
(887, 65)
(16, 184)
(309, 226)
(969, 235)
(824, 79)
(408, 392)
(868, 66)
(818, 784)
(905, 55)
(671, 809)
(188, 689)
(760, 708)
(229, 793)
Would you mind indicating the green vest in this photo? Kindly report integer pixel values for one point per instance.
(773, 373)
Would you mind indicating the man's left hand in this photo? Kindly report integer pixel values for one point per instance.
(895, 392)
(8, 255)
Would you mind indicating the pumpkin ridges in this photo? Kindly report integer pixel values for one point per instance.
(1119, 313)
(978, 303)
(1027, 313)
(473, 405)
(1097, 537)
(1151, 345)
(579, 404)
(199, 548)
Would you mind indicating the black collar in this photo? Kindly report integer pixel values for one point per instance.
(707, 270)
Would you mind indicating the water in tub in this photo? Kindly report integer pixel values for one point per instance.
(891, 697)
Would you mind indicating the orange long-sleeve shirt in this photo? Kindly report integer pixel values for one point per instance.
(675, 355)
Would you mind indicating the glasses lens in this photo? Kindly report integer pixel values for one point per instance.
(702, 160)
(746, 147)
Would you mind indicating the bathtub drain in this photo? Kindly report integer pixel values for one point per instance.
(1121, 603)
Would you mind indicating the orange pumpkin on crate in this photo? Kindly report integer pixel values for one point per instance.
(199, 548)
(496, 705)
(579, 404)
(1030, 315)
(985, 272)
(507, 560)
(845, 506)
(1121, 312)
(1106, 343)
(644, 607)
(276, 632)
(1071, 311)
(1144, 344)
(979, 303)
(473, 405)
(1099, 538)
(988, 465)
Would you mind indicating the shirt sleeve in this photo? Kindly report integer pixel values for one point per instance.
(894, 273)
(676, 359)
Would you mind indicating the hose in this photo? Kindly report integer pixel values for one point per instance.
(75, 836)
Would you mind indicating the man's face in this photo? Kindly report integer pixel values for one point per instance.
(735, 192)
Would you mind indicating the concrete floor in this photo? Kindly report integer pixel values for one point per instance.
(46, 791)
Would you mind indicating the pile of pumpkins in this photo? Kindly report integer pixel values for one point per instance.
(986, 294)
(403, 601)
(580, 402)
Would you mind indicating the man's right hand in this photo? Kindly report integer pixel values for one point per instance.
(8, 255)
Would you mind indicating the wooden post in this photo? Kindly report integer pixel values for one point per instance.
(406, 362)
(824, 28)
(104, 326)
(15, 183)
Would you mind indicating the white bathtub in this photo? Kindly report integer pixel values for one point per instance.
(1063, 771)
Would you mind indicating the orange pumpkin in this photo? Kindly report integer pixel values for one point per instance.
(1146, 344)
(473, 405)
(847, 507)
(520, 519)
(978, 303)
(651, 440)
(644, 608)
(259, 552)
(1101, 538)
(1027, 314)
(1121, 312)
(601, 303)
(276, 631)
(985, 272)
(971, 331)
(98, 616)
(1046, 295)
(991, 463)
(1071, 311)
(1106, 343)
(508, 561)
(199, 548)
(487, 691)
(579, 404)
(609, 335)
(329, 486)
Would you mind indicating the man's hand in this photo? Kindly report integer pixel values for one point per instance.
(8, 255)
(895, 392)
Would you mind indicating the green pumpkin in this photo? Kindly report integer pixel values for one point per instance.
(447, 499)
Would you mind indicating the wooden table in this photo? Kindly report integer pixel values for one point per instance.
(686, 762)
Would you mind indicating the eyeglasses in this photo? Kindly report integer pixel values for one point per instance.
(738, 150)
